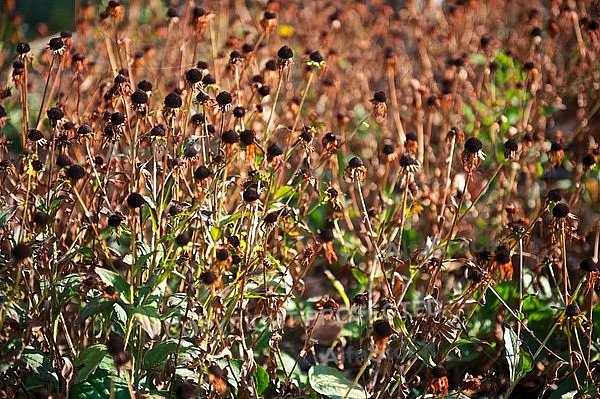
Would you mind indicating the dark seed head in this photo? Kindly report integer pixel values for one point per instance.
(554, 195)
(35, 135)
(511, 145)
(23, 48)
(193, 75)
(475, 275)
(382, 329)
(234, 55)
(85, 130)
(56, 44)
(329, 137)
(173, 100)
(144, 85)
(411, 136)
(306, 135)
(230, 137)
(234, 241)
(326, 235)
(224, 98)
(588, 265)
(183, 239)
(63, 160)
(158, 131)
(22, 251)
(41, 218)
(239, 112)
(222, 254)
(556, 147)
(172, 12)
(439, 372)
(264, 91)
(269, 15)
(185, 391)
(379, 97)
(55, 114)
(248, 136)
(484, 41)
(37, 165)
(209, 80)
(560, 210)
(355, 162)
(251, 194)
(175, 210)
(502, 254)
(76, 172)
(120, 79)
(271, 217)
(271, 65)
(208, 277)
(407, 160)
(473, 145)
(315, 56)
(117, 118)
(572, 310)
(115, 219)
(273, 151)
(139, 97)
(285, 52)
(216, 371)
(135, 200)
(115, 345)
(202, 172)
(589, 160)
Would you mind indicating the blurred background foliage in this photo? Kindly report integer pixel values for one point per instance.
(38, 18)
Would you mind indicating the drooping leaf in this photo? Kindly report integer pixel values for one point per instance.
(333, 384)
(520, 360)
(148, 318)
(89, 360)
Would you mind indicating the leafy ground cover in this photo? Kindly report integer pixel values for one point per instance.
(302, 199)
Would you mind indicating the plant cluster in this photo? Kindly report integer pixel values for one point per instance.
(306, 199)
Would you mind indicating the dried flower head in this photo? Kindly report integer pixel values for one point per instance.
(510, 149)
(382, 330)
(438, 383)
(269, 22)
(355, 171)
(379, 106)
(57, 46)
(224, 99)
(472, 155)
(328, 307)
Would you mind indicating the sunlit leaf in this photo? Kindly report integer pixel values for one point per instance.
(333, 384)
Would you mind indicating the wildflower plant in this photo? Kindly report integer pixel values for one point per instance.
(309, 199)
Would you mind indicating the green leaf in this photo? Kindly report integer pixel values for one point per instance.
(38, 363)
(109, 277)
(333, 384)
(156, 357)
(98, 384)
(5, 215)
(261, 379)
(148, 318)
(520, 360)
(282, 192)
(89, 360)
